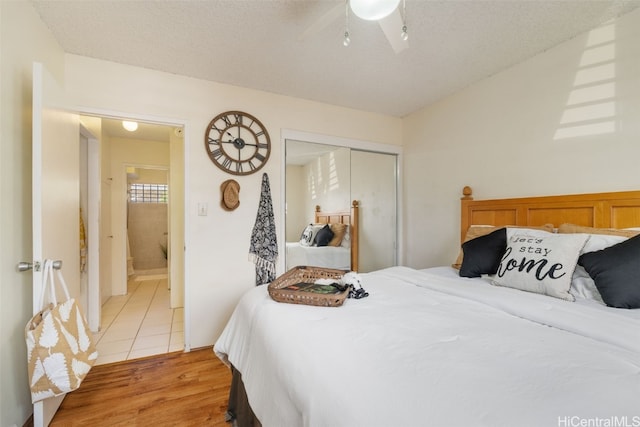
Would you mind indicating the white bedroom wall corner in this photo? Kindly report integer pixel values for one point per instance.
(498, 137)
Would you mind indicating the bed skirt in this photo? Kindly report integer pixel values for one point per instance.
(239, 411)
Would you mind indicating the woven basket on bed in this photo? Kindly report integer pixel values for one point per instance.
(304, 274)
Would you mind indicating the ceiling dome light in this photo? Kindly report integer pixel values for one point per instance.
(130, 126)
(373, 10)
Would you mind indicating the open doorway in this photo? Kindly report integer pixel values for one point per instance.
(141, 290)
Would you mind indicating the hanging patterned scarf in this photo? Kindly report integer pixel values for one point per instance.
(264, 246)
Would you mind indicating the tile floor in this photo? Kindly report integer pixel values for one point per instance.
(140, 323)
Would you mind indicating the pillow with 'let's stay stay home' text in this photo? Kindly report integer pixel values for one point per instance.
(540, 262)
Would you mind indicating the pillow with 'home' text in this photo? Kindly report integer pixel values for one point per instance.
(308, 235)
(540, 262)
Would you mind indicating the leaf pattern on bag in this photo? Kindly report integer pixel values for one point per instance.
(38, 372)
(83, 339)
(58, 364)
(49, 336)
(71, 340)
(65, 309)
(31, 344)
(79, 368)
(56, 369)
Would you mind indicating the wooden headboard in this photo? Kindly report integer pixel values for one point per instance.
(350, 217)
(601, 210)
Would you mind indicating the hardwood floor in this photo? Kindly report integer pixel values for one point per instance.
(175, 389)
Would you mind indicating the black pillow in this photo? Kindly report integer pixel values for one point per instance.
(482, 255)
(324, 236)
(616, 272)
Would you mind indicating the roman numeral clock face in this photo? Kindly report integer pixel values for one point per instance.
(237, 143)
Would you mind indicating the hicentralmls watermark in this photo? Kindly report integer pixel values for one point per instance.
(614, 421)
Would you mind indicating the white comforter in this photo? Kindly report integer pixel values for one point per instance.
(321, 256)
(428, 348)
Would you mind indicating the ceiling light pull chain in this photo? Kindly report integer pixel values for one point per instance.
(347, 40)
(404, 34)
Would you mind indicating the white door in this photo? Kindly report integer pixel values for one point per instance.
(56, 203)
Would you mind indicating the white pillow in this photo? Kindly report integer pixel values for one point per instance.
(309, 234)
(540, 262)
(582, 285)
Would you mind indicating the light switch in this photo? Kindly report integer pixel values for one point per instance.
(202, 209)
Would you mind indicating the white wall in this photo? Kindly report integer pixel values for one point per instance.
(217, 245)
(23, 39)
(149, 176)
(504, 135)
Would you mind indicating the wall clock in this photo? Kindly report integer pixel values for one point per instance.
(237, 143)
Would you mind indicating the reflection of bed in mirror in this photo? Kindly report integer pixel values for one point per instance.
(343, 255)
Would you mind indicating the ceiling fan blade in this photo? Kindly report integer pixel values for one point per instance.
(324, 21)
(392, 28)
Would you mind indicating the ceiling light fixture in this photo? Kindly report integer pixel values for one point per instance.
(347, 40)
(404, 34)
(373, 10)
(130, 126)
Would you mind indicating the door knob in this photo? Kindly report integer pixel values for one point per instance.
(24, 266)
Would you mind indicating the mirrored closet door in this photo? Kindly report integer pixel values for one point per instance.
(328, 178)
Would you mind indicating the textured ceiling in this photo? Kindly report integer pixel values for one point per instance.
(259, 44)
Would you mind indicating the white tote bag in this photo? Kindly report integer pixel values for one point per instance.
(60, 348)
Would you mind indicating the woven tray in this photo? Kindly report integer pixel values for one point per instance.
(304, 274)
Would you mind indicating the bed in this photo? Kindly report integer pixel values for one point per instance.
(429, 347)
(343, 256)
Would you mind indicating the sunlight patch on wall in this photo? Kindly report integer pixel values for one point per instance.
(591, 107)
(586, 130)
(601, 35)
(592, 94)
(311, 186)
(588, 112)
(598, 54)
(595, 74)
(334, 183)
